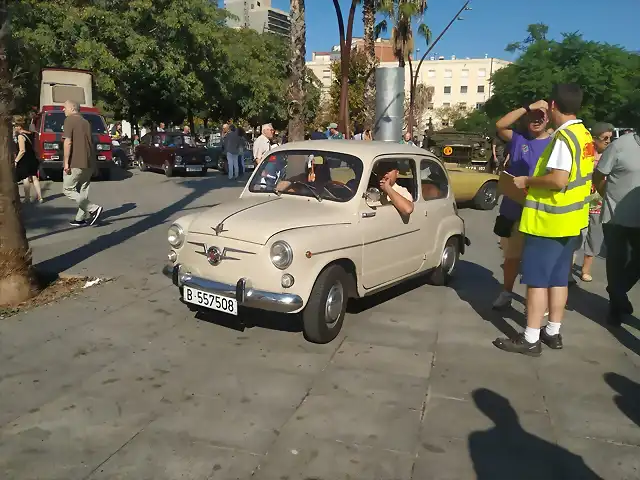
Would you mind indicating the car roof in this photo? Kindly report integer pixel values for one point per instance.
(367, 151)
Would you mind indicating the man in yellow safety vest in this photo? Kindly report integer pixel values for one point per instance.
(555, 211)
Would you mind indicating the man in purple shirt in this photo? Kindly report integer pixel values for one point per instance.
(524, 151)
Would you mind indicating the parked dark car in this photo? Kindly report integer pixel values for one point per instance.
(122, 153)
(249, 164)
(172, 152)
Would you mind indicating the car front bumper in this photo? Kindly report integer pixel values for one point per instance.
(242, 291)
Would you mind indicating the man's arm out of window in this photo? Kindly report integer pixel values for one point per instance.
(402, 204)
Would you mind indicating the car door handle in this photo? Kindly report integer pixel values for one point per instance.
(426, 213)
(368, 214)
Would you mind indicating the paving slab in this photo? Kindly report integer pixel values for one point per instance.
(356, 421)
(384, 359)
(161, 455)
(305, 458)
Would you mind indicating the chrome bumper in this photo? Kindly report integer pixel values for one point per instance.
(241, 291)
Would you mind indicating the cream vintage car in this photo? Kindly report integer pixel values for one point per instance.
(310, 231)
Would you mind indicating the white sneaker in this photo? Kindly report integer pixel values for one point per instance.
(503, 300)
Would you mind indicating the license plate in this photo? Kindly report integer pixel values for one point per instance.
(210, 300)
(249, 167)
(194, 169)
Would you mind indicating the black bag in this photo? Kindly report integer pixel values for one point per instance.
(503, 226)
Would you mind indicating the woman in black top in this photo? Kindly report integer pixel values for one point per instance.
(26, 162)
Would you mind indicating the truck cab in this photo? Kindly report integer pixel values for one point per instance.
(58, 85)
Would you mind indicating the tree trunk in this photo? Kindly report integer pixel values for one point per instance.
(192, 124)
(298, 72)
(17, 279)
(345, 62)
(369, 19)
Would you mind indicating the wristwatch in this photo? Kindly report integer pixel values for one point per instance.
(526, 107)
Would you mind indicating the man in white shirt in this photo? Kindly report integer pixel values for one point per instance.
(262, 145)
(392, 193)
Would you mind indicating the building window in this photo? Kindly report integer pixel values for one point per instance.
(480, 88)
(448, 73)
(447, 90)
(463, 89)
(446, 104)
(464, 73)
(431, 73)
(479, 105)
(482, 73)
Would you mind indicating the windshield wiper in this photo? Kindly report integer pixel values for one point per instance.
(311, 189)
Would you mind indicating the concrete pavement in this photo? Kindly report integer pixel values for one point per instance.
(122, 382)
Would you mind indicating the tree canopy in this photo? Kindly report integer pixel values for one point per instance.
(608, 75)
(154, 60)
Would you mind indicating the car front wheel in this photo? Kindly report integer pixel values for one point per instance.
(141, 165)
(487, 196)
(448, 262)
(324, 314)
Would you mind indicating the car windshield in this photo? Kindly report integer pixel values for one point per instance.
(54, 121)
(309, 173)
(178, 141)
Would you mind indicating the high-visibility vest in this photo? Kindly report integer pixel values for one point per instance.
(562, 213)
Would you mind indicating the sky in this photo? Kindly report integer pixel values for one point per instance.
(492, 24)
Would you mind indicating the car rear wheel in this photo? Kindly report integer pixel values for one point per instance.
(105, 174)
(168, 170)
(324, 314)
(141, 165)
(448, 263)
(487, 196)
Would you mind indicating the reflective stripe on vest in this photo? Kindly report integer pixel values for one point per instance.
(563, 213)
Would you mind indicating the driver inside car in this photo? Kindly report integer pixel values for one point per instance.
(386, 174)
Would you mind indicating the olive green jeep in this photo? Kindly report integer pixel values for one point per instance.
(465, 149)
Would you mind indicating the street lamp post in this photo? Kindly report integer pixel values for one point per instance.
(414, 77)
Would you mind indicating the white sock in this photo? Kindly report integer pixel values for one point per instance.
(553, 328)
(532, 335)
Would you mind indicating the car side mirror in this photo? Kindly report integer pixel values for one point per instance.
(372, 196)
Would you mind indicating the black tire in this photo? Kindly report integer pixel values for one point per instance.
(448, 263)
(105, 174)
(487, 196)
(141, 165)
(319, 326)
(168, 170)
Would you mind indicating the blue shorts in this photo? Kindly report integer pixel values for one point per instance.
(546, 262)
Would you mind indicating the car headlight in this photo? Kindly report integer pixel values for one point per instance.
(103, 146)
(207, 159)
(482, 151)
(175, 235)
(51, 146)
(177, 159)
(281, 254)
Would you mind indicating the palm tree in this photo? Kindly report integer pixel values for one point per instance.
(401, 14)
(346, 40)
(369, 19)
(298, 72)
(16, 275)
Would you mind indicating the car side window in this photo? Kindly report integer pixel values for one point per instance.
(406, 175)
(434, 184)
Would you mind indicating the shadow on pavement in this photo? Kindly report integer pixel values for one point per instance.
(507, 452)
(67, 260)
(249, 318)
(477, 286)
(359, 305)
(595, 308)
(628, 398)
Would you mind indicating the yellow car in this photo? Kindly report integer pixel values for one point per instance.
(470, 186)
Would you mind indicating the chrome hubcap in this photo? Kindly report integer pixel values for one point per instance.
(333, 305)
(490, 195)
(448, 259)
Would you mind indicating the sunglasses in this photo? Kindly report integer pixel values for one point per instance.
(606, 138)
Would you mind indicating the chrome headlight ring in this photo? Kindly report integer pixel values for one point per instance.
(175, 236)
(281, 254)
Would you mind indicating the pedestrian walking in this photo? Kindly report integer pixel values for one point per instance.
(318, 134)
(262, 145)
(406, 139)
(617, 179)
(358, 131)
(554, 214)
(526, 149)
(26, 161)
(334, 133)
(242, 146)
(79, 164)
(593, 237)
(231, 144)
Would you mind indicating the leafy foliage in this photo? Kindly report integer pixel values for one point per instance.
(359, 72)
(607, 74)
(153, 60)
(422, 101)
(477, 121)
(449, 115)
(401, 14)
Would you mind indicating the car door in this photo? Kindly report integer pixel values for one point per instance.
(434, 206)
(391, 243)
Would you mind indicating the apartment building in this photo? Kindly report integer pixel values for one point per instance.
(258, 15)
(454, 80)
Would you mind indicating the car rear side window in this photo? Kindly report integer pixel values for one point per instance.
(433, 180)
